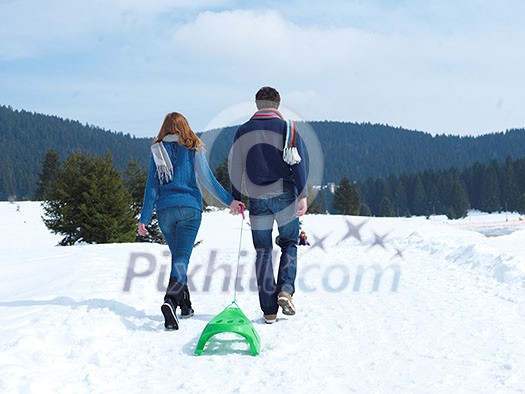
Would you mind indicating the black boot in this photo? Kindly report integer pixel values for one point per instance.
(186, 310)
(172, 299)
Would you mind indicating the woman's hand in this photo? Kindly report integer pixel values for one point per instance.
(142, 230)
(235, 207)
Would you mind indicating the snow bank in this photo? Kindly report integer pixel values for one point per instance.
(385, 305)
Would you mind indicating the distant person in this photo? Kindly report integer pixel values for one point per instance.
(303, 239)
(172, 188)
(266, 158)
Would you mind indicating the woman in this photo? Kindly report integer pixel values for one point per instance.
(176, 155)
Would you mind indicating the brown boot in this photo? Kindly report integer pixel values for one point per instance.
(284, 299)
(270, 319)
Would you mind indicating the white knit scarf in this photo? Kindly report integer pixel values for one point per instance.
(290, 153)
(162, 159)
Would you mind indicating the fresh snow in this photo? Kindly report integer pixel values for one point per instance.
(445, 315)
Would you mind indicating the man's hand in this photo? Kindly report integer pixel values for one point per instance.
(235, 207)
(142, 230)
(301, 207)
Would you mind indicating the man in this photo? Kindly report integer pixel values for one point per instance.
(268, 166)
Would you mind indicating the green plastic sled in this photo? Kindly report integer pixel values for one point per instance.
(231, 319)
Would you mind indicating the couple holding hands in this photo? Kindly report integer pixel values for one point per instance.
(266, 166)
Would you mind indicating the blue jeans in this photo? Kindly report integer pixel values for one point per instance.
(179, 225)
(263, 211)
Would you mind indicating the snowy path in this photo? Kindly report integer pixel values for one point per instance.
(454, 322)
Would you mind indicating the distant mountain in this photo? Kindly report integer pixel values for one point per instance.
(25, 138)
(358, 151)
(363, 150)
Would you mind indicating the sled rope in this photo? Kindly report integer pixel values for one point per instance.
(238, 260)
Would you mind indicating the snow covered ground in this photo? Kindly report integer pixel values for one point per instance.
(385, 305)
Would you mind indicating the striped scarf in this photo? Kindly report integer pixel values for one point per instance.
(290, 153)
(162, 160)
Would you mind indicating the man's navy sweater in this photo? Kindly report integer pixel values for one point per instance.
(257, 157)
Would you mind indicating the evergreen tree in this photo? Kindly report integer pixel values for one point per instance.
(379, 188)
(519, 174)
(365, 210)
(222, 175)
(366, 192)
(46, 178)
(419, 201)
(387, 189)
(458, 201)
(313, 204)
(90, 203)
(346, 198)
(509, 186)
(7, 184)
(135, 182)
(134, 178)
(387, 208)
(400, 197)
(320, 199)
(490, 189)
(434, 203)
(451, 214)
(473, 177)
(521, 204)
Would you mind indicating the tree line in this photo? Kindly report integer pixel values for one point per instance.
(86, 199)
(363, 150)
(497, 186)
(356, 150)
(25, 138)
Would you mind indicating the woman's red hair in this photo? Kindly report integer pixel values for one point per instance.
(175, 123)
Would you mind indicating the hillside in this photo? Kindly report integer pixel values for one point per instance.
(358, 151)
(25, 138)
(452, 321)
(363, 150)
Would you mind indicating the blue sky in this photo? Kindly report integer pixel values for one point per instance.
(453, 67)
